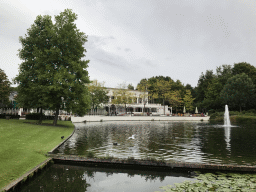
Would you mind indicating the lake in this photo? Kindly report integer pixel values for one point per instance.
(199, 142)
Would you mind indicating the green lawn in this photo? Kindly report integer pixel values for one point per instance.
(23, 146)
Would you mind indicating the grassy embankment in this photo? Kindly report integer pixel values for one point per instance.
(235, 117)
(23, 146)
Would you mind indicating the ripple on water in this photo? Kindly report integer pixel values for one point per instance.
(184, 141)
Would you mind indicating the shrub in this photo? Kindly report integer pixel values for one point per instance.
(90, 154)
(211, 111)
(246, 119)
(251, 111)
(234, 113)
(214, 115)
(3, 116)
(34, 116)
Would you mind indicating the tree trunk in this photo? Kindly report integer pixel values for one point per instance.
(164, 106)
(56, 116)
(41, 116)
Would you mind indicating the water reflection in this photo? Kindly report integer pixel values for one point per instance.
(61, 178)
(199, 142)
(227, 138)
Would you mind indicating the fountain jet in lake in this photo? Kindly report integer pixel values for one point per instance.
(226, 117)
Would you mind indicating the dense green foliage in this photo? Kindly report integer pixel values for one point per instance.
(238, 91)
(98, 94)
(130, 86)
(188, 100)
(165, 91)
(143, 88)
(122, 96)
(217, 182)
(23, 146)
(229, 85)
(232, 85)
(4, 89)
(53, 74)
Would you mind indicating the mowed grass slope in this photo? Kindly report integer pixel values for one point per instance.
(23, 146)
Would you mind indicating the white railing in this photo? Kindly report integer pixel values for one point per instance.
(9, 111)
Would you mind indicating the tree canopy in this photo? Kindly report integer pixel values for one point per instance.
(4, 88)
(122, 96)
(188, 100)
(130, 86)
(98, 94)
(238, 91)
(53, 74)
(210, 86)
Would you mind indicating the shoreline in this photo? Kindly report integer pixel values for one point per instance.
(101, 118)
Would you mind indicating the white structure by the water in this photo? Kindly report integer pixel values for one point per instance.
(138, 107)
(226, 117)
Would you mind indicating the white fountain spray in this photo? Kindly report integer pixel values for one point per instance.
(226, 117)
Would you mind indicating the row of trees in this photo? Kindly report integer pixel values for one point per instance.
(166, 91)
(232, 85)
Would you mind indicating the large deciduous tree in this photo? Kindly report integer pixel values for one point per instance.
(203, 82)
(238, 91)
(246, 68)
(53, 74)
(4, 88)
(153, 91)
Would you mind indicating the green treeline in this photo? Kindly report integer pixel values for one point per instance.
(231, 85)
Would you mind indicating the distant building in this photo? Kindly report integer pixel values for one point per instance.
(138, 107)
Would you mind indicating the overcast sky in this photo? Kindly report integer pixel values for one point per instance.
(135, 39)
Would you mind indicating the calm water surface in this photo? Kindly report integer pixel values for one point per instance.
(66, 178)
(198, 142)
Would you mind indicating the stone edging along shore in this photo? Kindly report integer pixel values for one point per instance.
(135, 118)
(151, 163)
(62, 141)
(13, 185)
(131, 163)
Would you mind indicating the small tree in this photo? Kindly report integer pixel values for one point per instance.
(122, 96)
(130, 86)
(4, 88)
(238, 91)
(175, 99)
(163, 90)
(143, 87)
(188, 100)
(98, 94)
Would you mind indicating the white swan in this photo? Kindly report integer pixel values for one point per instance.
(132, 137)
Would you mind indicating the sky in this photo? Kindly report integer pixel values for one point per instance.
(132, 40)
